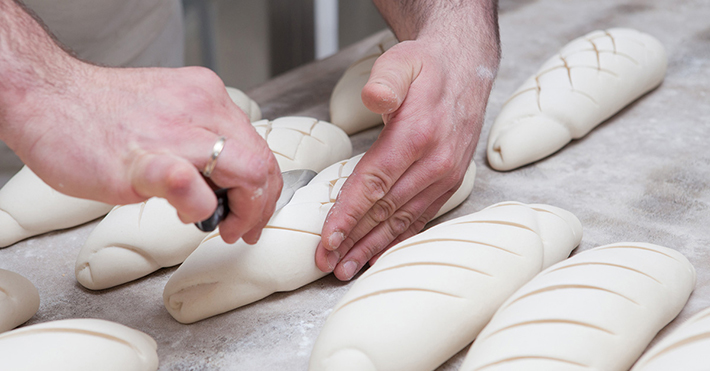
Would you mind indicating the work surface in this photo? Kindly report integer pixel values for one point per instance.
(644, 175)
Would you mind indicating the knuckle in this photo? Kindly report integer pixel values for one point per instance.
(400, 222)
(376, 186)
(179, 179)
(382, 209)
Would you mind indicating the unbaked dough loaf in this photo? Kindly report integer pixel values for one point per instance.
(28, 207)
(428, 297)
(304, 142)
(136, 240)
(133, 241)
(346, 108)
(219, 277)
(592, 78)
(19, 300)
(77, 345)
(687, 348)
(595, 311)
(245, 103)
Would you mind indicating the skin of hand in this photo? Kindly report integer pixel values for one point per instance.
(124, 135)
(432, 93)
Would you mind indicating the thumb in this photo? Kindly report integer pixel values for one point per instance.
(175, 179)
(390, 78)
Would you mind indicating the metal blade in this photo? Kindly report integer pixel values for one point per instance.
(293, 180)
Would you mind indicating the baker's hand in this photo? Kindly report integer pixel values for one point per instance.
(433, 103)
(123, 135)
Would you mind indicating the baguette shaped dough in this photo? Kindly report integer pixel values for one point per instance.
(133, 241)
(219, 277)
(245, 103)
(686, 348)
(77, 345)
(304, 142)
(136, 240)
(19, 300)
(428, 297)
(595, 311)
(591, 79)
(346, 108)
(28, 207)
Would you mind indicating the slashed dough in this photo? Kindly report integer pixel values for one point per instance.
(346, 108)
(589, 80)
(245, 103)
(28, 207)
(686, 348)
(219, 277)
(19, 300)
(595, 311)
(428, 297)
(78, 345)
(136, 240)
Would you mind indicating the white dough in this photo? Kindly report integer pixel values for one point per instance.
(28, 207)
(428, 297)
(136, 240)
(219, 277)
(591, 79)
(19, 300)
(346, 108)
(687, 348)
(596, 311)
(245, 103)
(77, 345)
(304, 142)
(133, 241)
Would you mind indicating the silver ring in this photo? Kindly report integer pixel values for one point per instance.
(216, 150)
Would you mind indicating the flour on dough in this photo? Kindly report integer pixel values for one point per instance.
(19, 300)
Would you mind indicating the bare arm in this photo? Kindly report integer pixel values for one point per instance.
(124, 135)
(432, 90)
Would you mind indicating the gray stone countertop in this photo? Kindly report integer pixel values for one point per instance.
(643, 175)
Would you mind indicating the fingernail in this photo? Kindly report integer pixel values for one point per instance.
(349, 268)
(333, 259)
(335, 240)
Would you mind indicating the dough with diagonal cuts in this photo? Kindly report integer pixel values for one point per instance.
(589, 80)
(219, 277)
(428, 297)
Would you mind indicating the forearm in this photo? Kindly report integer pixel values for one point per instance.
(468, 25)
(31, 64)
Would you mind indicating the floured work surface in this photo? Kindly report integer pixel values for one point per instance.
(644, 175)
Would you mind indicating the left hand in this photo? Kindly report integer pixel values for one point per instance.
(433, 103)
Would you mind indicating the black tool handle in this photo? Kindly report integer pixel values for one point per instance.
(211, 223)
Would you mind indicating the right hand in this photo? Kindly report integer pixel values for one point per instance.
(124, 135)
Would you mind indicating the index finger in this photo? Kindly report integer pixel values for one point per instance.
(373, 177)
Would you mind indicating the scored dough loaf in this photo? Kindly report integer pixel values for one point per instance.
(77, 345)
(591, 79)
(346, 108)
(428, 297)
(685, 349)
(245, 103)
(136, 240)
(218, 277)
(595, 311)
(28, 207)
(19, 300)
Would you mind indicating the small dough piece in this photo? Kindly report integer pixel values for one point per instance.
(346, 108)
(686, 348)
(304, 142)
(136, 240)
(245, 103)
(428, 297)
(219, 277)
(133, 241)
(28, 207)
(78, 345)
(19, 300)
(595, 311)
(592, 78)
